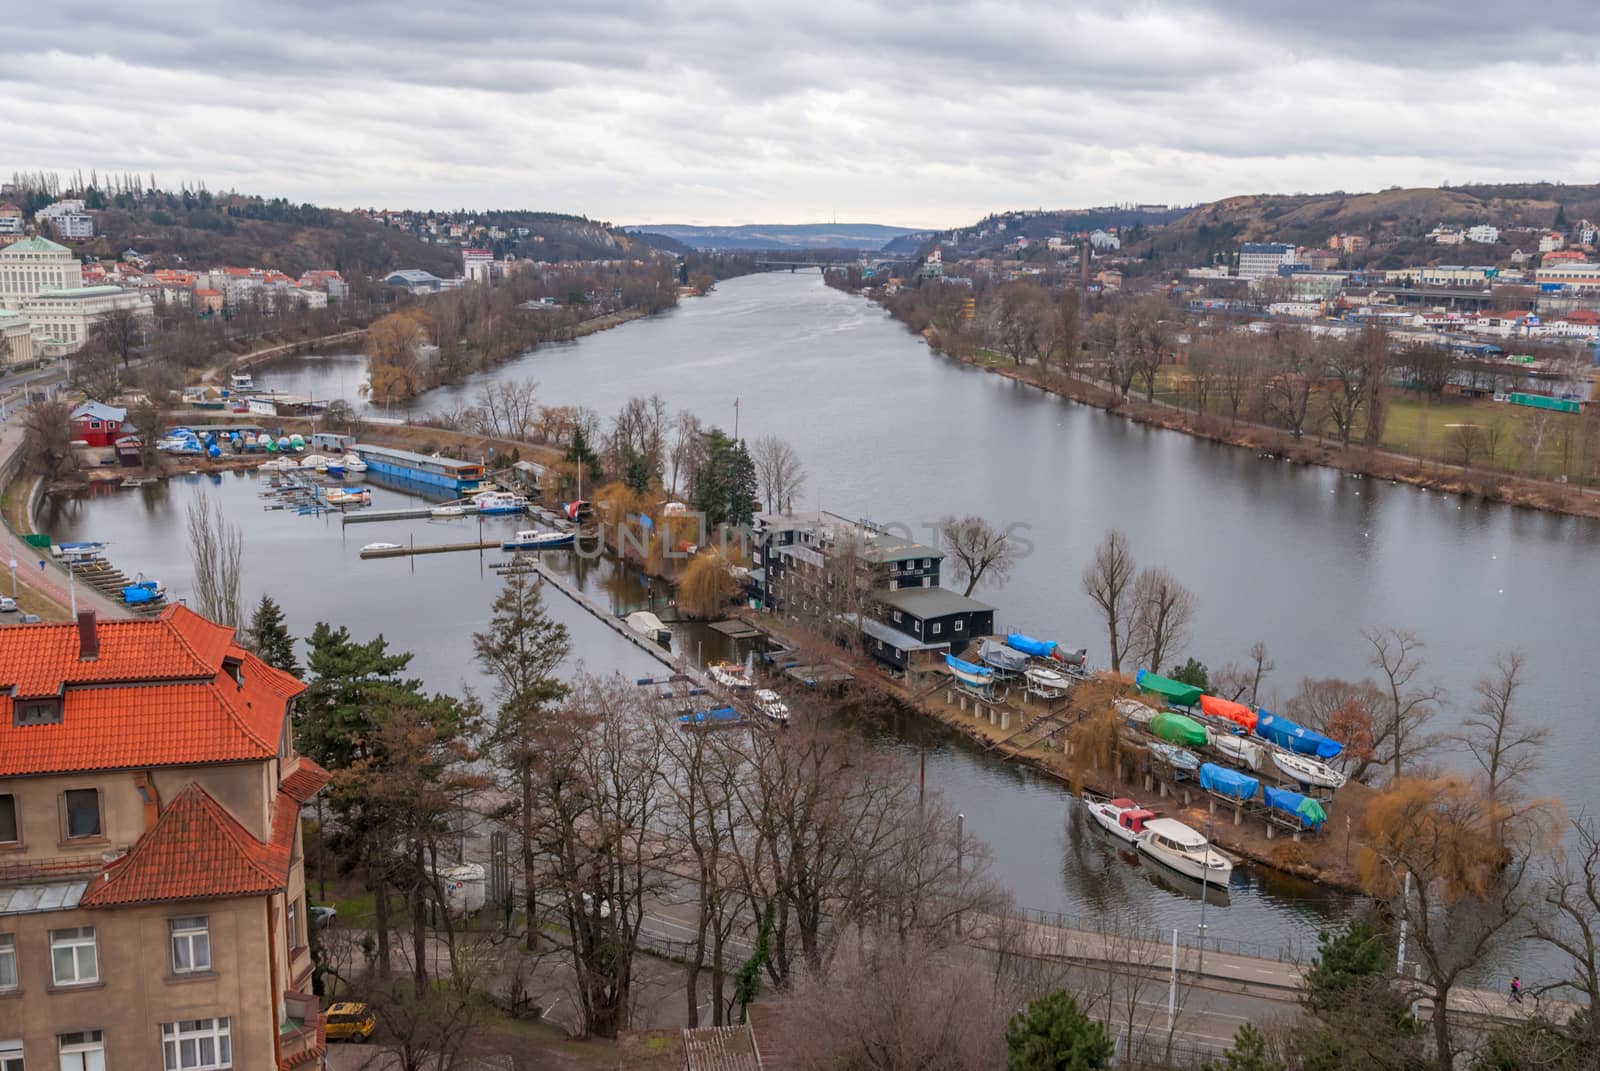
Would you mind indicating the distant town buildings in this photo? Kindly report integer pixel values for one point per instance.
(70, 219)
(1551, 241)
(477, 265)
(11, 219)
(1483, 234)
(1261, 260)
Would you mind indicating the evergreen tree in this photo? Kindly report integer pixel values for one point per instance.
(743, 487)
(637, 474)
(1248, 1053)
(270, 639)
(582, 454)
(1051, 1034)
(348, 679)
(1358, 1020)
(725, 485)
(1191, 672)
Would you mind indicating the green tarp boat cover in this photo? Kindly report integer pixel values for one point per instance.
(1179, 695)
(1177, 729)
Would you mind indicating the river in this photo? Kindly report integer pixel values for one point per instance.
(1302, 558)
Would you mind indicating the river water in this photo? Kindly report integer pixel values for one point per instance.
(1302, 558)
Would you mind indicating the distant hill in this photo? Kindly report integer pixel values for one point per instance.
(867, 237)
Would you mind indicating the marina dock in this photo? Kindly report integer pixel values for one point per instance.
(428, 548)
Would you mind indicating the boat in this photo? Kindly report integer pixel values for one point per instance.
(1178, 729)
(1045, 682)
(283, 444)
(720, 718)
(297, 442)
(1238, 749)
(644, 622)
(1122, 818)
(499, 502)
(318, 462)
(1175, 692)
(1308, 812)
(1286, 734)
(1222, 781)
(1228, 710)
(447, 511)
(1176, 757)
(1137, 713)
(143, 592)
(969, 674)
(1307, 771)
(729, 675)
(533, 539)
(334, 468)
(241, 381)
(1170, 842)
(1002, 657)
(353, 463)
(81, 551)
(353, 496)
(772, 706)
(372, 548)
(1030, 646)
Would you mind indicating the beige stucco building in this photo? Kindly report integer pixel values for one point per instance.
(152, 895)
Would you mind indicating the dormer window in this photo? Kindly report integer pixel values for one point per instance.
(234, 668)
(36, 712)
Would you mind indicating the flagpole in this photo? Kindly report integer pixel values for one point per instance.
(736, 420)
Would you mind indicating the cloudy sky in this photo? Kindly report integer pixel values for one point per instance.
(918, 114)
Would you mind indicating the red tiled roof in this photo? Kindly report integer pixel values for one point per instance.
(304, 782)
(158, 695)
(196, 851)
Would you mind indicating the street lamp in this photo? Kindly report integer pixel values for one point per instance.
(1205, 874)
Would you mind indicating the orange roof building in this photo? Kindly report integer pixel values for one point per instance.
(152, 886)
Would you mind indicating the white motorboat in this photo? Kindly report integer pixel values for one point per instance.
(1122, 818)
(353, 463)
(1308, 771)
(1171, 843)
(1238, 749)
(447, 511)
(729, 675)
(319, 462)
(772, 706)
(1046, 682)
(373, 548)
(241, 381)
(500, 502)
(646, 623)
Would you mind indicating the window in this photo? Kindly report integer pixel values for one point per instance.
(191, 944)
(83, 812)
(897, 617)
(10, 1056)
(36, 712)
(197, 1044)
(83, 1051)
(8, 963)
(958, 626)
(294, 923)
(938, 627)
(8, 820)
(72, 956)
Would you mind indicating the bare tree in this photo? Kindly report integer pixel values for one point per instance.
(1163, 610)
(979, 548)
(121, 332)
(1018, 321)
(1347, 711)
(1467, 441)
(1409, 706)
(1496, 735)
(688, 449)
(1240, 375)
(780, 472)
(1537, 427)
(1294, 376)
(1569, 922)
(1108, 581)
(216, 549)
(47, 438)
(1067, 336)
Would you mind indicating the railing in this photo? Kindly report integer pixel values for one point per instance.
(1104, 926)
(50, 868)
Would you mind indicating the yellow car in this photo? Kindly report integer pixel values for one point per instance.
(349, 1021)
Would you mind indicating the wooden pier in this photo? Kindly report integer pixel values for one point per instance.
(428, 548)
(370, 516)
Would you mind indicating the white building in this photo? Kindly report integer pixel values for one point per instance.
(1261, 260)
(16, 340)
(1103, 240)
(11, 219)
(33, 265)
(1586, 233)
(477, 265)
(69, 218)
(1444, 234)
(1581, 277)
(1299, 310)
(1549, 243)
(1483, 234)
(62, 319)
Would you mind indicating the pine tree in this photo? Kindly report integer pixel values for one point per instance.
(581, 453)
(347, 680)
(1247, 1053)
(270, 638)
(1051, 1034)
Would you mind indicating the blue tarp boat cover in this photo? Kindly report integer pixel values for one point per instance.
(1308, 811)
(1228, 782)
(1003, 657)
(1302, 741)
(967, 667)
(1029, 645)
(701, 717)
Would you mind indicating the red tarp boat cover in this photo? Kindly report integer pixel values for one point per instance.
(1237, 713)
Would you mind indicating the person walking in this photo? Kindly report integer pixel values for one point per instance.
(1516, 990)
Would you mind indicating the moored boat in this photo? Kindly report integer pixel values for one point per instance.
(772, 706)
(1121, 817)
(352, 496)
(1170, 842)
(353, 463)
(533, 539)
(721, 717)
(143, 592)
(499, 502)
(378, 547)
(729, 675)
(447, 511)
(647, 624)
(1176, 757)
(1308, 771)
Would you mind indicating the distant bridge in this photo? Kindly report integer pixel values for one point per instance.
(821, 264)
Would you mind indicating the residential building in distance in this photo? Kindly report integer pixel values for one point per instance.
(1484, 234)
(477, 265)
(414, 281)
(1550, 241)
(1104, 240)
(1261, 260)
(1582, 278)
(70, 219)
(99, 424)
(34, 265)
(152, 892)
(1320, 259)
(1447, 234)
(11, 219)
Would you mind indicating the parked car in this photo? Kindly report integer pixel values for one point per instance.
(8, 605)
(30, 619)
(323, 916)
(350, 1021)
